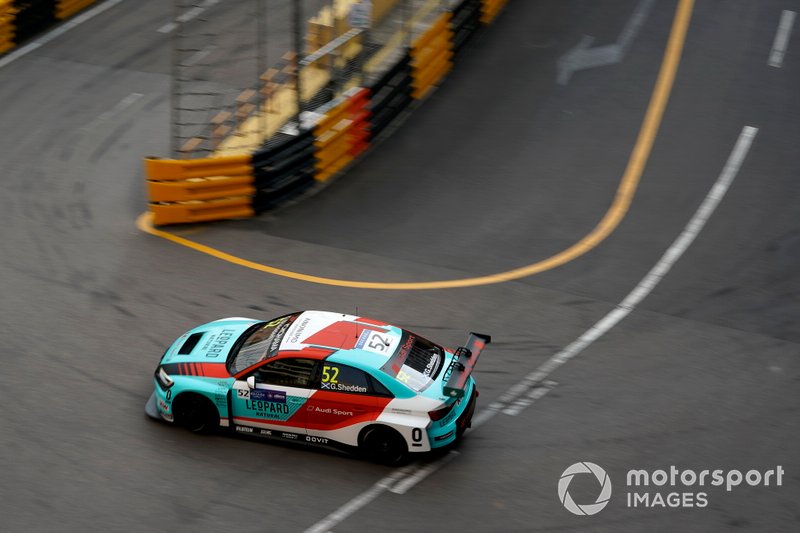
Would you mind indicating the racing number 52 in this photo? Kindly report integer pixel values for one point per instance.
(330, 374)
(378, 343)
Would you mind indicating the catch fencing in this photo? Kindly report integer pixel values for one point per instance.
(355, 67)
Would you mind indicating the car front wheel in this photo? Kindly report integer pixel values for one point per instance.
(195, 413)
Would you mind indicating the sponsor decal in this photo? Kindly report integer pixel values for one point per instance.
(443, 437)
(332, 411)
(452, 414)
(362, 339)
(164, 406)
(219, 343)
(407, 346)
(268, 395)
(281, 408)
(316, 440)
(379, 342)
(448, 419)
(449, 369)
(208, 342)
(244, 429)
(429, 367)
(294, 337)
(341, 387)
(277, 336)
(265, 432)
(266, 409)
(290, 436)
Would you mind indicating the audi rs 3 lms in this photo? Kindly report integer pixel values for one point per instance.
(321, 378)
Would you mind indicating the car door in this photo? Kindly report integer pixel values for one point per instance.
(272, 397)
(344, 400)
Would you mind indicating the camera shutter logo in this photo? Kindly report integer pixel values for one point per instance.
(584, 468)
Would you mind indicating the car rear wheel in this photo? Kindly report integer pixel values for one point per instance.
(195, 413)
(383, 445)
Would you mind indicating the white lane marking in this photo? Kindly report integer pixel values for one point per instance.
(199, 55)
(118, 107)
(526, 400)
(404, 485)
(58, 31)
(781, 39)
(363, 499)
(537, 377)
(651, 280)
(187, 16)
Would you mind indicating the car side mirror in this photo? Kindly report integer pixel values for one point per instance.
(251, 382)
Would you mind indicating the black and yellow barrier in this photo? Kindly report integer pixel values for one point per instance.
(490, 9)
(465, 22)
(31, 17)
(22, 19)
(283, 170)
(199, 190)
(390, 96)
(67, 8)
(431, 56)
(7, 30)
(342, 133)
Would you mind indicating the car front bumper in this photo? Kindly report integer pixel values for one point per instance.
(151, 409)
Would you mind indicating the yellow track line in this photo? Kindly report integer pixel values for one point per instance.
(609, 222)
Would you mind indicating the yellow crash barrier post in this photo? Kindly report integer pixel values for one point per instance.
(184, 169)
(490, 9)
(430, 56)
(67, 8)
(199, 190)
(188, 212)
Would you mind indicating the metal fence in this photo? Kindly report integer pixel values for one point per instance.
(243, 71)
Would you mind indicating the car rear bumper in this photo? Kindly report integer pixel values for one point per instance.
(449, 430)
(464, 421)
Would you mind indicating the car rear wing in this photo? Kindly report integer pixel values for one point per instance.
(464, 361)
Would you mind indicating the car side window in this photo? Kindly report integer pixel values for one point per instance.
(379, 389)
(342, 378)
(287, 372)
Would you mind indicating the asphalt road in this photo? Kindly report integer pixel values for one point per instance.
(501, 167)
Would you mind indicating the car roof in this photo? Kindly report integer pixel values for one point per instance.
(343, 338)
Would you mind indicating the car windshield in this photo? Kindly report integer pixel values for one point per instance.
(260, 342)
(416, 363)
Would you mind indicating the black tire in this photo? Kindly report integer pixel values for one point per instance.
(195, 413)
(383, 445)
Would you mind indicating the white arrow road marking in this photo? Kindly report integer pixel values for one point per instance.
(582, 57)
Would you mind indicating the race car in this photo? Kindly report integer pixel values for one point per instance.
(321, 378)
